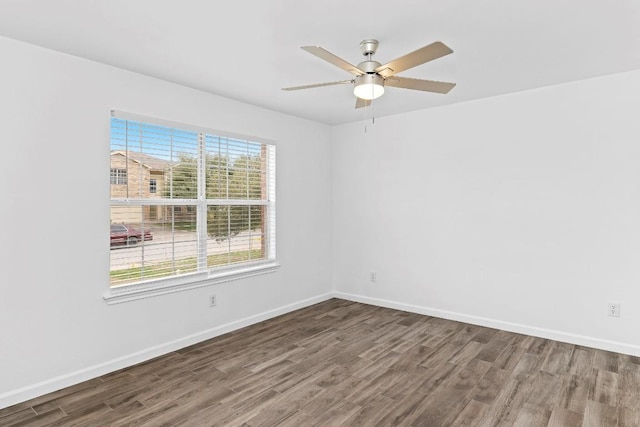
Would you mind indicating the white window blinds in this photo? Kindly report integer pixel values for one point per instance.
(187, 202)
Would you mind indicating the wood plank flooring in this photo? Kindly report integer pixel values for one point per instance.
(341, 363)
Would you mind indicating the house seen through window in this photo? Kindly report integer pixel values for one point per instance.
(187, 202)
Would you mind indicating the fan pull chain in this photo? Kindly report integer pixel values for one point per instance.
(364, 116)
(373, 115)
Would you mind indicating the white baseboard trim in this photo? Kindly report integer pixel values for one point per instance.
(570, 338)
(31, 391)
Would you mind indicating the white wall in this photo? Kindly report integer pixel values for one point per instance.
(520, 211)
(55, 328)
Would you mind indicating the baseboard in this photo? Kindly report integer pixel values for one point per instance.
(29, 392)
(583, 340)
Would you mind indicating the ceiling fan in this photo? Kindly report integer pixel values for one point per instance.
(371, 77)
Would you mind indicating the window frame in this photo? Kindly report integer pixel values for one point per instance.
(210, 276)
(153, 186)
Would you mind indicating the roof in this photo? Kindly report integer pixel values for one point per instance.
(148, 161)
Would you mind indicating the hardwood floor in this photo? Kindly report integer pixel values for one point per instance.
(340, 363)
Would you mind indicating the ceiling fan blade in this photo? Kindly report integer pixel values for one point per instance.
(341, 82)
(332, 59)
(410, 60)
(361, 103)
(418, 84)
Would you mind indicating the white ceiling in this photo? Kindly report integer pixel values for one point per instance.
(248, 50)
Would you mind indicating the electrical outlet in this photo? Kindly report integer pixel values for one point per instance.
(373, 277)
(614, 309)
(212, 301)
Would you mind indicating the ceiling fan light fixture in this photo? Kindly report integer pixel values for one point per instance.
(368, 86)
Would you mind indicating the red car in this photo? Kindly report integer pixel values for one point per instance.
(123, 234)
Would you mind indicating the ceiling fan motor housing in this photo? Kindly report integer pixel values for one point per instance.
(369, 67)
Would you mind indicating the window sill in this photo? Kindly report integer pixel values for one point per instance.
(127, 293)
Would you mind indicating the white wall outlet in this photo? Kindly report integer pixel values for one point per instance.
(613, 309)
(212, 300)
(373, 277)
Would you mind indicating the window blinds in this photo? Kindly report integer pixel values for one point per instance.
(191, 201)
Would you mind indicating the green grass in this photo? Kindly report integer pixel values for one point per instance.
(185, 226)
(185, 265)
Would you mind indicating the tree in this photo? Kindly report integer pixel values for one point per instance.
(245, 182)
(183, 179)
(240, 179)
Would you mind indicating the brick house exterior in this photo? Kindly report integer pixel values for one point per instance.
(141, 176)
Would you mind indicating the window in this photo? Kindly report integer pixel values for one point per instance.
(118, 176)
(209, 211)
